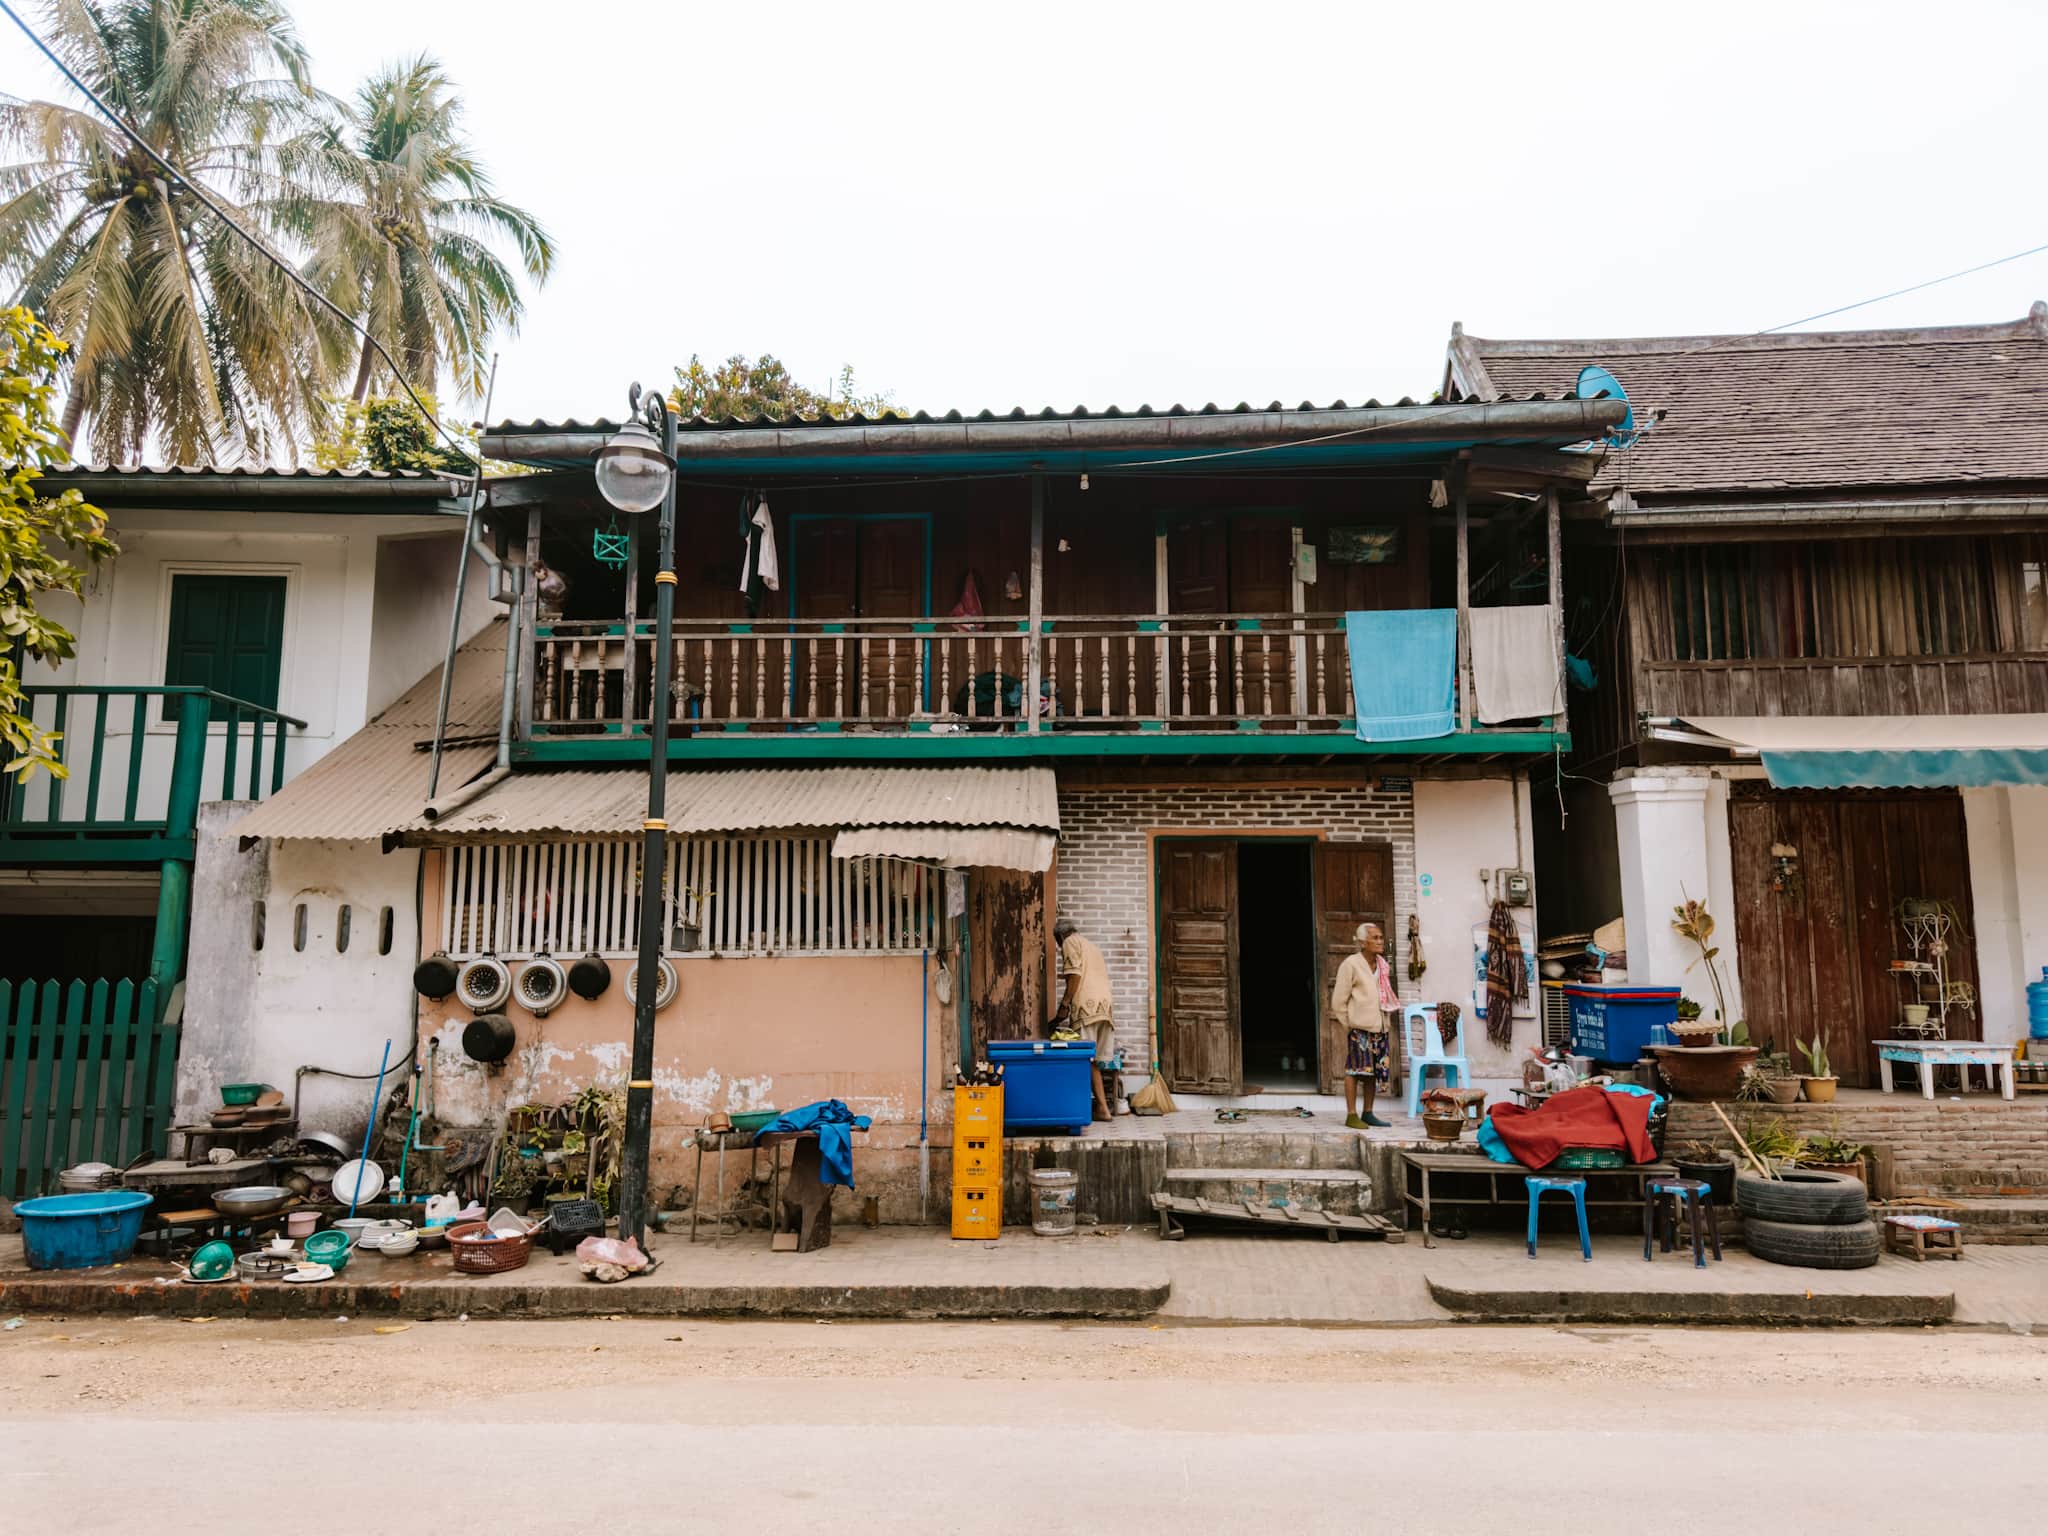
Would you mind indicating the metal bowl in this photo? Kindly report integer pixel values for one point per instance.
(327, 1141)
(252, 1200)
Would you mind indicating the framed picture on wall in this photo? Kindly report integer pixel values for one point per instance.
(1363, 543)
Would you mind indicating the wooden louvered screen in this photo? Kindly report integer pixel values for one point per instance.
(1849, 599)
(745, 896)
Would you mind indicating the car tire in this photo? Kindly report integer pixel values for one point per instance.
(1804, 1197)
(1851, 1245)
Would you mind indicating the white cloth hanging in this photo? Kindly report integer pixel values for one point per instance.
(1515, 670)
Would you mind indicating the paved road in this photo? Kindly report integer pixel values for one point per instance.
(169, 1427)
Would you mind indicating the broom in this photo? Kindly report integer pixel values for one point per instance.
(1153, 1099)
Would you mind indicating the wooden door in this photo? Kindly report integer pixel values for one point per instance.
(847, 569)
(1198, 966)
(1354, 884)
(1817, 945)
(1262, 582)
(1006, 917)
(891, 558)
(1198, 582)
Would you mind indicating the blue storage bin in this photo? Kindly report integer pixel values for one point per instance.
(1612, 1023)
(1047, 1085)
(81, 1231)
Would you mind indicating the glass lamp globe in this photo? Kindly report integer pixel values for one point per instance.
(632, 471)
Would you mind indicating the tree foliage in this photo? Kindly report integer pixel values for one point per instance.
(43, 539)
(400, 221)
(176, 327)
(388, 433)
(750, 388)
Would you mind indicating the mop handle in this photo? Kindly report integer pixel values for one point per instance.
(355, 1191)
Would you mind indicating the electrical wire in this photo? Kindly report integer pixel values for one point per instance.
(205, 200)
(1932, 282)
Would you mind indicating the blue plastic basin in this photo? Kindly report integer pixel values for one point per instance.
(81, 1231)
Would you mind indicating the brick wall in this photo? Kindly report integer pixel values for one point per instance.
(1105, 849)
(1977, 1145)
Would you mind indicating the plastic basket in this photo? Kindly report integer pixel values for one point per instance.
(477, 1253)
(977, 1213)
(1581, 1158)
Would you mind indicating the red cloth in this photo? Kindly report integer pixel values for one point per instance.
(1579, 1117)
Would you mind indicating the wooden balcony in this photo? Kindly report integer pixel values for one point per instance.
(1985, 684)
(1263, 681)
(112, 805)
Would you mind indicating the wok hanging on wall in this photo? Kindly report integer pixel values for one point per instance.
(488, 1038)
(435, 976)
(589, 976)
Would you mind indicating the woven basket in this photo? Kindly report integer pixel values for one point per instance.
(476, 1254)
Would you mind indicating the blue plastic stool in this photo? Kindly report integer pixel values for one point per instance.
(1540, 1184)
(1697, 1196)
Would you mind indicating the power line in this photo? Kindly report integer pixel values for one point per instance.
(1901, 292)
(206, 200)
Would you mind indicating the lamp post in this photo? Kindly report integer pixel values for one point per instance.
(636, 471)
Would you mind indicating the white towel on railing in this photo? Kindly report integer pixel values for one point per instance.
(1515, 671)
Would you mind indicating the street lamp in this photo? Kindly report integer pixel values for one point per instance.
(636, 471)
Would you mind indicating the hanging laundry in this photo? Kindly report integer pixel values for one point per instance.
(1507, 973)
(1515, 672)
(759, 568)
(1403, 661)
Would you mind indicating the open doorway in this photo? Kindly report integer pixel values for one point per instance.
(1277, 1004)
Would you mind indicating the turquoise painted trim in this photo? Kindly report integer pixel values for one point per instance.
(26, 852)
(828, 746)
(1932, 768)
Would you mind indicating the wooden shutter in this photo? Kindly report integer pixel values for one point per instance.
(1198, 966)
(1354, 884)
(227, 634)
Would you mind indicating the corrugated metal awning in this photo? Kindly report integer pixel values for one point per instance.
(376, 781)
(613, 801)
(1877, 751)
(953, 847)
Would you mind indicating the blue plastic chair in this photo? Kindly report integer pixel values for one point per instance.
(1456, 1069)
(1542, 1183)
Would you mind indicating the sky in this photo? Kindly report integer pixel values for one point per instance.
(1122, 203)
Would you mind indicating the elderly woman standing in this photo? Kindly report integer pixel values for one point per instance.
(1364, 1002)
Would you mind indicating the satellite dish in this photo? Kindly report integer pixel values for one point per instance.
(1596, 383)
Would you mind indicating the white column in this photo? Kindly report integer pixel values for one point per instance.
(1660, 830)
(2007, 833)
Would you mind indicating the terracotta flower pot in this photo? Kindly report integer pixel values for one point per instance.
(1783, 1090)
(1703, 1071)
(1820, 1090)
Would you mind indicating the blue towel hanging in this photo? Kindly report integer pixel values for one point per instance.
(1404, 663)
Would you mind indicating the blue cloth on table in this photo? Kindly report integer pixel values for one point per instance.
(1403, 665)
(835, 1125)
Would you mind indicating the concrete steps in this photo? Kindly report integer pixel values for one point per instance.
(1987, 1221)
(1340, 1191)
(1271, 1166)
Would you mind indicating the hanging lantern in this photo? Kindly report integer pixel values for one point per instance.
(609, 547)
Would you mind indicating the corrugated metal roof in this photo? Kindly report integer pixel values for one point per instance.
(376, 781)
(1805, 410)
(605, 426)
(244, 472)
(611, 802)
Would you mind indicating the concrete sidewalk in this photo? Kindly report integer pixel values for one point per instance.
(1210, 1277)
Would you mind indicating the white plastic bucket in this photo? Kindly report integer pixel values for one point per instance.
(1052, 1201)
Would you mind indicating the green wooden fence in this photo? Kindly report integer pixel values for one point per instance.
(86, 1075)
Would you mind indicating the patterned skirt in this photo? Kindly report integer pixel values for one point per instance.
(1365, 1054)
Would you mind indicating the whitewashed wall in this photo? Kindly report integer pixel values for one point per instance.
(2007, 831)
(366, 613)
(1461, 827)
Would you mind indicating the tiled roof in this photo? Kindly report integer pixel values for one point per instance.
(1806, 411)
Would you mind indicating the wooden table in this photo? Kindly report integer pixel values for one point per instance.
(1479, 1166)
(1960, 1054)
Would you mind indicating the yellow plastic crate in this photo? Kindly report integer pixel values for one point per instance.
(977, 1213)
(977, 1112)
(977, 1160)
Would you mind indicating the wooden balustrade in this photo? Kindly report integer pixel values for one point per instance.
(1219, 672)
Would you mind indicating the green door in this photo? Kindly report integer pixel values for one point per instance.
(227, 634)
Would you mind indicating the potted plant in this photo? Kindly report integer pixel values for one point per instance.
(1832, 1153)
(1711, 1165)
(1691, 1029)
(1818, 1081)
(1781, 1084)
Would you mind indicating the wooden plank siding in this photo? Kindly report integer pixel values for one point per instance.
(1948, 624)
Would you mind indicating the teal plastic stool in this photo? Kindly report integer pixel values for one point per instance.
(1541, 1184)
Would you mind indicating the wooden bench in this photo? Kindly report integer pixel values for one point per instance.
(1923, 1237)
(1925, 1055)
(1474, 1165)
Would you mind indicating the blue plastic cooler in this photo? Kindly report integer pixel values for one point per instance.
(1047, 1085)
(1614, 1023)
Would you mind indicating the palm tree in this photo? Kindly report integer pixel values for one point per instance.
(177, 328)
(402, 234)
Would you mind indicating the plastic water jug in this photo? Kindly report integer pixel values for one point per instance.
(2037, 1007)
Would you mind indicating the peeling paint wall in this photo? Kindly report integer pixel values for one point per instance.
(258, 1014)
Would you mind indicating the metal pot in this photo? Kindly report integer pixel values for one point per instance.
(88, 1178)
(252, 1200)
